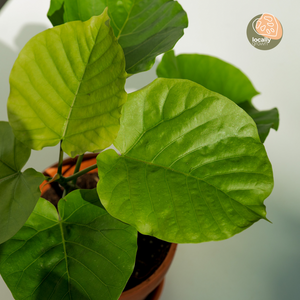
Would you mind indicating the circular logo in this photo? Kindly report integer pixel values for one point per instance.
(264, 32)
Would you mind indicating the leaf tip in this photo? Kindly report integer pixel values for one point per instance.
(265, 218)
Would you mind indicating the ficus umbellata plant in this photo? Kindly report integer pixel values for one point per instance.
(190, 167)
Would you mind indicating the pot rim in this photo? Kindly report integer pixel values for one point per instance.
(160, 272)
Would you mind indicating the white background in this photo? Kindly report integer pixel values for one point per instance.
(262, 263)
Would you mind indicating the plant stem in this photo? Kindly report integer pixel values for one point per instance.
(64, 193)
(78, 174)
(77, 167)
(60, 161)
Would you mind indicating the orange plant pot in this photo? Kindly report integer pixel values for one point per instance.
(152, 287)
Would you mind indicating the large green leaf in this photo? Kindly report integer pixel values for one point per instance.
(84, 254)
(211, 72)
(192, 167)
(265, 120)
(145, 28)
(19, 191)
(221, 77)
(68, 84)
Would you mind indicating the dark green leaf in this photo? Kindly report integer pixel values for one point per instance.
(192, 167)
(68, 84)
(145, 28)
(265, 120)
(91, 196)
(19, 191)
(86, 255)
(56, 12)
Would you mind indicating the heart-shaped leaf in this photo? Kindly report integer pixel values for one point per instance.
(68, 84)
(221, 77)
(145, 28)
(19, 191)
(192, 167)
(83, 254)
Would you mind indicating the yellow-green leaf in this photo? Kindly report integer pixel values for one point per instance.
(192, 168)
(68, 84)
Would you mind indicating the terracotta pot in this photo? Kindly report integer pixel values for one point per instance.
(152, 287)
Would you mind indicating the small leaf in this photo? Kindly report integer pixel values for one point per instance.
(145, 28)
(192, 167)
(265, 120)
(56, 11)
(211, 72)
(86, 255)
(220, 77)
(68, 84)
(19, 191)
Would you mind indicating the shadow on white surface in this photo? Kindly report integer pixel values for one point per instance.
(8, 55)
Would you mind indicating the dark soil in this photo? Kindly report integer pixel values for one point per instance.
(87, 181)
(151, 251)
(150, 255)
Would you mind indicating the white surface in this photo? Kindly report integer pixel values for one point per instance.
(262, 263)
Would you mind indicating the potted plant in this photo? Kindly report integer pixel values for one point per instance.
(191, 165)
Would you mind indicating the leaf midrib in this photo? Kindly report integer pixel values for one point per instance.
(66, 256)
(189, 175)
(125, 22)
(79, 85)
